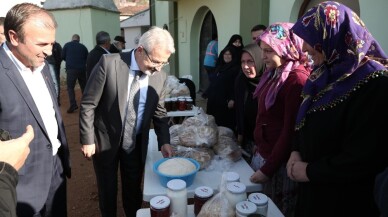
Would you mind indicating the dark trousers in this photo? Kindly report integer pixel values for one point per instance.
(211, 74)
(56, 203)
(72, 77)
(131, 172)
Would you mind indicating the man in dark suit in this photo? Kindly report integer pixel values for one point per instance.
(101, 48)
(118, 44)
(104, 112)
(27, 97)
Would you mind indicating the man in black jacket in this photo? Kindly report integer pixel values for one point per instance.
(118, 44)
(13, 154)
(102, 47)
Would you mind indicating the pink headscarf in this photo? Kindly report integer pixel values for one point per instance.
(289, 47)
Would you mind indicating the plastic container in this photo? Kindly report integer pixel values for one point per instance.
(235, 193)
(176, 191)
(245, 208)
(188, 178)
(201, 195)
(232, 177)
(261, 201)
(160, 206)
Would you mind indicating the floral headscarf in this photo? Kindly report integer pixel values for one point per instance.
(289, 47)
(352, 56)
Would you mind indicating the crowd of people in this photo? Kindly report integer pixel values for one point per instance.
(305, 100)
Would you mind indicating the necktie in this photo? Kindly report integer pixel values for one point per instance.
(129, 135)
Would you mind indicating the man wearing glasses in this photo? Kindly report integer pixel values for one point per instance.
(108, 101)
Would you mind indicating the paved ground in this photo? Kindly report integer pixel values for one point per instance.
(82, 189)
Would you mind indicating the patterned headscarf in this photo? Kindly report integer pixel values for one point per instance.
(289, 47)
(352, 56)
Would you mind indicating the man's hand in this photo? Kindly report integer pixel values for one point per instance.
(15, 151)
(88, 150)
(167, 151)
(259, 177)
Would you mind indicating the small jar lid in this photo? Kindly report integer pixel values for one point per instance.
(258, 198)
(203, 192)
(167, 99)
(236, 187)
(174, 99)
(246, 207)
(176, 184)
(232, 177)
(160, 202)
(189, 99)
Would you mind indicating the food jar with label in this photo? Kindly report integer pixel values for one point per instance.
(176, 191)
(261, 201)
(235, 193)
(245, 208)
(201, 195)
(160, 206)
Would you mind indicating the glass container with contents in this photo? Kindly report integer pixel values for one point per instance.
(201, 195)
(176, 191)
(160, 206)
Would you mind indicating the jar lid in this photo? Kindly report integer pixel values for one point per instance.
(236, 187)
(176, 184)
(246, 207)
(203, 192)
(258, 198)
(174, 99)
(160, 202)
(232, 177)
(167, 99)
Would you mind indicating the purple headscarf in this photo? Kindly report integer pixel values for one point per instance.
(352, 56)
(289, 47)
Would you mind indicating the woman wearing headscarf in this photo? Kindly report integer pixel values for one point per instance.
(279, 97)
(221, 89)
(246, 107)
(341, 127)
(235, 41)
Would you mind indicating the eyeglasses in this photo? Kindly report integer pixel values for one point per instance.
(156, 63)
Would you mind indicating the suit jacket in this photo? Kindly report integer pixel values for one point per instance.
(17, 110)
(104, 102)
(93, 58)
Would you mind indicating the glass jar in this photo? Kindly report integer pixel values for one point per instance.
(245, 208)
(176, 191)
(235, 193)
(189, 104)
(232, 177)
(160, 206)
(261, 201)
(201, 195)
(181, 104)
(174, 104)
(167, 104)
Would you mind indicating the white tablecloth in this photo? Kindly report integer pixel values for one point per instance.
(212, 178)
(273, 211)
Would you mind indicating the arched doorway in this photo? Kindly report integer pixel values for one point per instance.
(208, 27)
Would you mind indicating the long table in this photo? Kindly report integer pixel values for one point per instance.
(273, 211)
(211, 178)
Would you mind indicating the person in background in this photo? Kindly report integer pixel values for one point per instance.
(27, 97)
(105, 108)
(118, 44)
(210, 61)
(279, 96)
(75, 55)
(256, 32)
(237, 42)
(102, 47)
(252, 67)
(54, 61)
(2, 35)
(221, 90)
(13, 154)
(381, 192)
(340, 143)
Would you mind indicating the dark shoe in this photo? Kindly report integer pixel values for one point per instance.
(72, 109)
